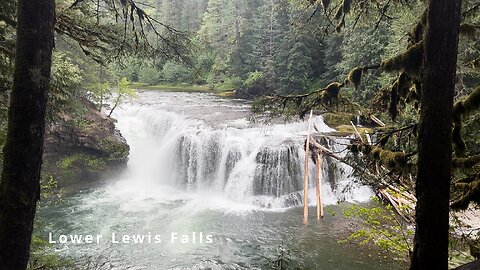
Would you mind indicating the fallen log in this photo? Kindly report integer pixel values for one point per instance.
(319, 164)
(305, 177)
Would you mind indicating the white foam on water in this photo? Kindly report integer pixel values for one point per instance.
(232, 165)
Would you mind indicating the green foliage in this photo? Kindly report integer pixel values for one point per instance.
(116, 152)
(123, 93)
(381, 226)
(79, 160)
(409, 62)
(129, 67)
(98, 91)
(42, 256)
(150, 75)
(363, 46)
(395, 161)
(233, 39)
(123, 88)
(228, 84)
(64, 84)
(254, 78)
(175, 72)
(49, 189)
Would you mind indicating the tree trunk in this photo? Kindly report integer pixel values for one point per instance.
(435, 136)
(20, 187)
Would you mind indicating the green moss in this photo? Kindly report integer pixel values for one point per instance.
(334, 88)
(471, 103)
(375, 153)
(43, 256)
(355, 76)
(226, 94)
(337, 119)
(403, 85)
(394, 102)
(75, 167)
(75, 161)
(409, 62)
(399, 94)
(468, 29)
(461, 110)
(469, 192)
(115, 151)
(351, 130)
(458, 143)
(467, 162)
(396, 161)
(416, 35)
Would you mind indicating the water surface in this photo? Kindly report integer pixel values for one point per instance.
(198, 165)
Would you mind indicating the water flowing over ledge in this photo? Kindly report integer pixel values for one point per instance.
(203, 145)
(197, 165)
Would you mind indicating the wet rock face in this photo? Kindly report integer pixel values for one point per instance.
(278, 171)
(83, 147)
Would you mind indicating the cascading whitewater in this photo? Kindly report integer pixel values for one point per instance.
(259, 165)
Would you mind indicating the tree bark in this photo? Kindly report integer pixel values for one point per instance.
(435, 136)
(19, 186)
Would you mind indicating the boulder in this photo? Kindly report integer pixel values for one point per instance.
(83, 146)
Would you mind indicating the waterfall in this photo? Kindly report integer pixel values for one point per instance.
(260, 165)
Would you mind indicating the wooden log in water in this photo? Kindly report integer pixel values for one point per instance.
(356, 132)
(305, 177)
(319, 164)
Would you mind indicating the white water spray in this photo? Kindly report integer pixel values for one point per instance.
(197, 153)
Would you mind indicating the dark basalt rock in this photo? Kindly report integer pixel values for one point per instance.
(83, 148)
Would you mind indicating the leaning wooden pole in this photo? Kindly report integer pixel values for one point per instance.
(305, 177)
(319, 185)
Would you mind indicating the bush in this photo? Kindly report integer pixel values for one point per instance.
(176, 73)
(254, 78)
(150, 75)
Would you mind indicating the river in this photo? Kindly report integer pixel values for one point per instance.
(200, 165)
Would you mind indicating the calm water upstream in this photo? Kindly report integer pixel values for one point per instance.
(198, 165)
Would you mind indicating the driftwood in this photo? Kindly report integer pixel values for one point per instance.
(319, 164)
(356, 132)
(376, 120)
(402, 201)
(397, 204)
(305, 177)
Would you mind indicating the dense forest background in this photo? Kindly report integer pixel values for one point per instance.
(264, 46)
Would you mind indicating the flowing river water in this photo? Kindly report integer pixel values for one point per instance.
(206, 188)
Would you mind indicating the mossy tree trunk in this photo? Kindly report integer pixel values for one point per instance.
(20, 187)
(435, 136)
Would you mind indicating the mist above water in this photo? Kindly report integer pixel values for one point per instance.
(201, 144)
(198, 165)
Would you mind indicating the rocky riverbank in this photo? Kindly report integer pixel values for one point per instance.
(83, 147)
